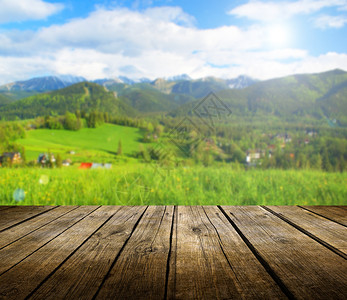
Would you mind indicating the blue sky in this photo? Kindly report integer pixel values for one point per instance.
(162, 38)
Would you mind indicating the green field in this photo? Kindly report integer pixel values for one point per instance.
(97, 144)
(141, 184)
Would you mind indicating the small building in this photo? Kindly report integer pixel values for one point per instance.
(311, 133)
(66, 162)
(46, 159)
(95, 166)
(11, 157)
(42, 159)
(107, 166)
(85, 165)
(284, 137)
(101, 166)
(253, 155)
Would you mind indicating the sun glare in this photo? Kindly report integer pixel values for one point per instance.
(278, 36)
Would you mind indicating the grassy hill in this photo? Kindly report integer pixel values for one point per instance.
(149, 97)
(97, 144)
(316, 97)
(4, 100)
(17, 95)
(83, 96)
(200, 88)
(297, 97)
(154, 101)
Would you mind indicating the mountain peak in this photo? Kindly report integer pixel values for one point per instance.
(240, 82)
(178, 77)
(44, 83)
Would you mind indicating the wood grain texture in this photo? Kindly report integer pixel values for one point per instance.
(20, 231)
(308, 269)
(32, 242)
(199, 269)
(334, 213)
(140, 270)
(25, 277)
(158, 252)
(328, 231)
(18, 214)
(82, 274)
(3, 207)
(253, 280)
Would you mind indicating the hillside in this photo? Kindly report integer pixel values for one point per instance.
(83, 96)
(154, 101)
(4, 100)
(97, 143)
(317, 96)
(201, 87)
(293, 98)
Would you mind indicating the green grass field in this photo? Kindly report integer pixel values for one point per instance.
(141, 184)
(99, 144)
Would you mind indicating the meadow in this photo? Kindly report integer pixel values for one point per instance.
(88, 143)
(143, 184)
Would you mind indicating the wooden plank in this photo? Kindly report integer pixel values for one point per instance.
(253, 280)
(334, 213)
(3, 207)
(30, 243)
(198, 267)
(322, 229)
(23, 229)
(26, 276)
(140, 270)
(307, 269)
(18, 214)
(82, 274)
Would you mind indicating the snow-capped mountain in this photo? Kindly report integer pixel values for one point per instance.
(46, 83)
(240, 82)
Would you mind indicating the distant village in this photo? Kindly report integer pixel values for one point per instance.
(48, 160)
(253, 156)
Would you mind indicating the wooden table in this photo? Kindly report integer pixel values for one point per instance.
(181, 252)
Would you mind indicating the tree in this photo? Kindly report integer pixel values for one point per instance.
(150, 127)
(71, 122)
(59, 161)
(316, 161)
(326, 161)
(207, 158)
(120, 150)
(143, 153)
(159, 130)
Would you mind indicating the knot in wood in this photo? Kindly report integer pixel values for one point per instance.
(197, 230)
(145, 250)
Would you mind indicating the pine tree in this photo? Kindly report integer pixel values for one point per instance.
(59, 161)
(120, 150)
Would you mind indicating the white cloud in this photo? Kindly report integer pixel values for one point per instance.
(275, 11)
(158, 42)
(22, 10)
(330, 21)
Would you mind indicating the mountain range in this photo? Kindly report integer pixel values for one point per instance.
(21, 89)
(297, 97)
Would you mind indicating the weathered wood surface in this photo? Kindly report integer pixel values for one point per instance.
(166, 252)
(323, 230)
(334, 213)
(20, 231)
(306, 268)
(92, 261)
(18, 214)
